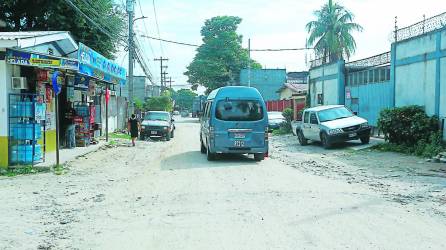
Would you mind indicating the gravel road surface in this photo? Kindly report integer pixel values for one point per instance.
(165, 195)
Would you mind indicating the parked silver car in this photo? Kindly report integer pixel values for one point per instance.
(330, 125)
(275, 119)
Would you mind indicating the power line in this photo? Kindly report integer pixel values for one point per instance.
(104, 31)
(157, 26)
(256, 50)
(275, 50)
(92, 10)
(169, 41)
(88, 18)
(145, 28)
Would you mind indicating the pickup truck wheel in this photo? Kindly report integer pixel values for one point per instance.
(325, 143)
(301, 138)
(365, 140)
(172, 134)
(168, 136)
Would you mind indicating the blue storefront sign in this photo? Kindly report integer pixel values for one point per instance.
(25, 58)
(93, 64)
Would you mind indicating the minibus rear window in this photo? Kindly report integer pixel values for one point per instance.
(239, 110)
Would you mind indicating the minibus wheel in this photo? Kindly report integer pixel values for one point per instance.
(259, 157)
(210, 156)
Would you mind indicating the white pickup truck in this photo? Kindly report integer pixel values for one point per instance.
(330, 125)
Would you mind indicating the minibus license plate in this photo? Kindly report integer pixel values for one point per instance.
(239, 136)
(153, 132)
(239, 144)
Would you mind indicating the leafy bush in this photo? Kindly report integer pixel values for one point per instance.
(407, 125)
(288, 115)
(409, 130)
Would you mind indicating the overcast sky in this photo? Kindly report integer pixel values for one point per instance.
(269, 24)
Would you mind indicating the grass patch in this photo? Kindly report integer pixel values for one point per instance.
(119, 136)
(280, 131)
(59, 169)
(22, 170)
(422, 149)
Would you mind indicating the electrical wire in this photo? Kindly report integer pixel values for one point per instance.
(92, 11)
(104, 31)
(157, 26)
(256, 50)
(145, 28)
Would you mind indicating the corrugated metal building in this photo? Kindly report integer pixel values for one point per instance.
(267, 81)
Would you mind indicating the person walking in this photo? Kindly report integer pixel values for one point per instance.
(133, 128)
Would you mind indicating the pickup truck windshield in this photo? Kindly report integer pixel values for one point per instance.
(239, 110)
(334, 114)
(157, 117)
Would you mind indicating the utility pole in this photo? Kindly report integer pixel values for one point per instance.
(170, 82)
(249, 62)
(164, 74)
(130, 8)
(161, 60)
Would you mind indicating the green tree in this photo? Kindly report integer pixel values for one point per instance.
(159, 103)
(138, 103)
(221, 57)
(331, 33)
(184, 98)
(47, 15)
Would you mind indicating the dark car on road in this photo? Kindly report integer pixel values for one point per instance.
(157, 124)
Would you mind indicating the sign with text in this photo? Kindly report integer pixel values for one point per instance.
(96, 65)
(25, 58)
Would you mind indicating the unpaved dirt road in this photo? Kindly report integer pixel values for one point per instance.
(165, 195)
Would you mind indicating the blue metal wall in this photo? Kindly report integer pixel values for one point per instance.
(267, 81)
(371, 99)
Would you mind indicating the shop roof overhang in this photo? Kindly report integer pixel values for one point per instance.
(28, 39)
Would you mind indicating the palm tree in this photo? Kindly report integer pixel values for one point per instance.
(331, 32)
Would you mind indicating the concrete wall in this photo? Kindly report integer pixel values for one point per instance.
(267, 81)
(414, 47)
(327, 80)
(415, 85)
(286, 94)
(139, 88)
(5, 83)
(419, 72)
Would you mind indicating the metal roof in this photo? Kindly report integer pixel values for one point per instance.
(32, 39)
(322, 108)
(26, 34)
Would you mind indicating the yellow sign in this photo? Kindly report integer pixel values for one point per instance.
(44, 62)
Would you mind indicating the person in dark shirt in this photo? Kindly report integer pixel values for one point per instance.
(133, 128)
